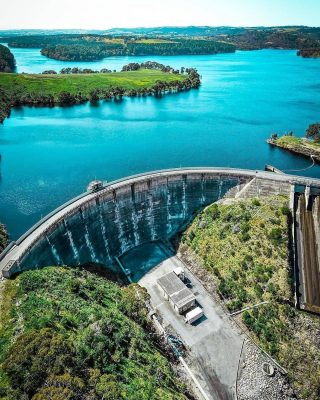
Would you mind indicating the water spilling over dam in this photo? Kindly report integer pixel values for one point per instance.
(98, 226)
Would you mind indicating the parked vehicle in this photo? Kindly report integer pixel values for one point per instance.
(193, 315)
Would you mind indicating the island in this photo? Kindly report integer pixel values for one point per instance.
(76, 86)
(307, 146)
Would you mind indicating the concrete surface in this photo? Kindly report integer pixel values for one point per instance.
(214, 344)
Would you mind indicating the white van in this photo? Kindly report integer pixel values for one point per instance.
(193, 315)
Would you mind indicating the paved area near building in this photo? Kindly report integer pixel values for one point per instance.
(214, 344)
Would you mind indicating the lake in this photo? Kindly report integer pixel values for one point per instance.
(50, 155)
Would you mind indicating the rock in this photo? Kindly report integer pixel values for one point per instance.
(236, 229)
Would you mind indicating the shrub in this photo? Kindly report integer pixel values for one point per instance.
(285, 210)
(213, 211)
(256, 202)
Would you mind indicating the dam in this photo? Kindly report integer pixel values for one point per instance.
(100, 226)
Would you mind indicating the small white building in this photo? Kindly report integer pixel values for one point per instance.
(173, 289)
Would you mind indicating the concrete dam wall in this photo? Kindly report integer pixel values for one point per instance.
(96, 227)
(117, 220)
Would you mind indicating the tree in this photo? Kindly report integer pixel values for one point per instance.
(33, 357)
(66, 98)
(94, 96)
(313, 132)
(274, 136)
(108, 387)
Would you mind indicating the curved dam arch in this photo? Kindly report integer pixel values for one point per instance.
(98, 226)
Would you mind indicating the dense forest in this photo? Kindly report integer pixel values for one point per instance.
(83, 52)
(95, 47)
(310, 53)
(169, 41)
(7, 61)
(74, 334)
(93, 51)
(281, 38)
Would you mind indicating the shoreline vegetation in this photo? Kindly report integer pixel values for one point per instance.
(303, 146)
(7, 61)
(243, 246)
(97, 47)
(73, 86)
(4, 238)
(309, 53)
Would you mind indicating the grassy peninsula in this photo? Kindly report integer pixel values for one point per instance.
(304, 146)
(244, 248)
(72, 334)
(51, 89)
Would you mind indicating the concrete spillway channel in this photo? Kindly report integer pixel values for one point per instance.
(308, 251)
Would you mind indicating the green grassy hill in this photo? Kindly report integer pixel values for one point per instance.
(69, 89)
(84, 83)
(71, 334)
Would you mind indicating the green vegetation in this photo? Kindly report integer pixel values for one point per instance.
(68, 88)
(97, 50)
(170, 41)
(95, 47)
(244, 245)
(307, 146)
(3, 237)
(7, 61)
(310, 53)
(71, 334)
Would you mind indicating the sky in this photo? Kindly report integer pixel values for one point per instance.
(105, 14)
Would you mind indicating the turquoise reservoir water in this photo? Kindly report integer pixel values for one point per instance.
(49, 155)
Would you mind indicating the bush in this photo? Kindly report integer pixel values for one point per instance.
(256, 202)
(276, 235)
(213, 211)
(285, 210)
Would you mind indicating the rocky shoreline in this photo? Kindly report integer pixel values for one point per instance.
(298, 148)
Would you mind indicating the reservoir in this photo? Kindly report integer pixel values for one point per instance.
(50, 154)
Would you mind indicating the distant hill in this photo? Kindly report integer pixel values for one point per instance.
(91, 45)
(161, 30)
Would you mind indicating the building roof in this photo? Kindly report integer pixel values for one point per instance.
(176, 289)
(171, 283)
(182, 297)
